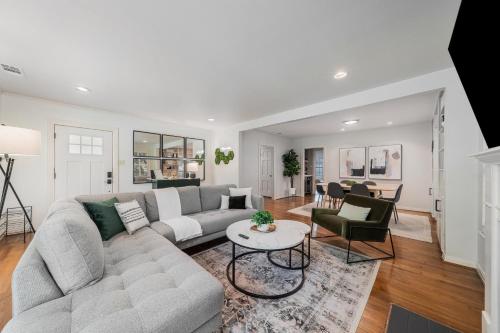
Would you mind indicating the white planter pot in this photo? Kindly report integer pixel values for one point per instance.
(263, 227)
(292, 191)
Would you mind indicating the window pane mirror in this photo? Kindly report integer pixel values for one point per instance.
(195, 169)
(195, 148)
(173, 169)
(142, 169)
(173, 146)
(146, 144)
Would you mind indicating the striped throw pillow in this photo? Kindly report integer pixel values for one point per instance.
(132, 216)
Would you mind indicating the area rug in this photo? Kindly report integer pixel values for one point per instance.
(306, 210)
(412, 226)
(332, 299)
(409, 226)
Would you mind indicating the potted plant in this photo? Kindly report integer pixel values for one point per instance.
(291, 167)
(263, 220)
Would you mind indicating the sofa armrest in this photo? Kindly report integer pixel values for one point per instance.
(258, 202)
(323, 211)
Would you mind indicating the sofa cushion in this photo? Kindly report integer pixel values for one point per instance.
(190, 199)
(218, 220)
(188, 195)
(122, 197)
(211, 196)
(149, 286)
(105, 217)
(71, 247)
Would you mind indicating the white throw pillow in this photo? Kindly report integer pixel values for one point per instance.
(132, 215)
(233, 192)
(352, 212)
(224, 202)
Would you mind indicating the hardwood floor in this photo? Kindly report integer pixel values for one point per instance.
(417, 279)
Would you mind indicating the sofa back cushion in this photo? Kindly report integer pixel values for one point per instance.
(188, 195)
(211, 195)
(71, 247)
(122, 197)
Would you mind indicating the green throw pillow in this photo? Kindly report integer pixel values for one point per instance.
(352, 212)
(106, 218)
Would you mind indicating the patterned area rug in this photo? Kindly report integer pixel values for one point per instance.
(332, 299)
(409, 226)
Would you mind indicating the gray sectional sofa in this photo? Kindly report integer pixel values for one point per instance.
(68, 280)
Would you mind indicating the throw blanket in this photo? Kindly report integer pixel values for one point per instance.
(169, 209)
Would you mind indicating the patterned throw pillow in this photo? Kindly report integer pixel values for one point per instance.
(132, 216)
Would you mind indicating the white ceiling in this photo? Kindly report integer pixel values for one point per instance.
(232, 60)
(402, 111)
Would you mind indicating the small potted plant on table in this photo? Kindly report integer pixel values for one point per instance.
(263, 221)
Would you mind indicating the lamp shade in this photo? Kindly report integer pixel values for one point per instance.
(17, 141)
(192, 167)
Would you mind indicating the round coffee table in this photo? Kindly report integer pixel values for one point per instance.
(288, 236)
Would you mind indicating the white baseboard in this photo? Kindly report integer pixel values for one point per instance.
(486, 322)
(459, 261)
(481, 273)
(415, 209)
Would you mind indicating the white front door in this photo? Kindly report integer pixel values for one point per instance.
(266, 171)
(83, 161)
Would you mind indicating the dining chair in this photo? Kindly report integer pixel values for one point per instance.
(372, 194)
(320, 190)
(395, 200)
(335, 193)
(360, 189)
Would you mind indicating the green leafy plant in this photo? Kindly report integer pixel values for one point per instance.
(200, 158)
(350, 182)
(291, 165)
(221, 157)
(262, 217)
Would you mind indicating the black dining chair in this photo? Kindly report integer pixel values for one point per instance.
(396, 198)
(360, 189)
(371, 182)
(336, 194)
(320, 191)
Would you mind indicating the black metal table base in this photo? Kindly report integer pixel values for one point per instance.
(289, 266)
(231, 270)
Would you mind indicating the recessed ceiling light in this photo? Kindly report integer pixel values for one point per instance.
(351, 122)
(340, 75)
(389, 123)
(82, 89)
(342, 129)
(211, 119)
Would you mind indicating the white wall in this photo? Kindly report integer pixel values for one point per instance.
(31, 175)
(249, 160)
(461, 137)
(417, 157)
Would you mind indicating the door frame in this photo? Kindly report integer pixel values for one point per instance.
(273, 147)
(303, 164)
(51, 151)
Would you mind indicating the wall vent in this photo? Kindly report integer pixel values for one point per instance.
(12, 69)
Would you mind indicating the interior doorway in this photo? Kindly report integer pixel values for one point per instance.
(313, 169)
(266, 171)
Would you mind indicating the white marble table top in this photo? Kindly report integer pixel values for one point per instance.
(287, 234)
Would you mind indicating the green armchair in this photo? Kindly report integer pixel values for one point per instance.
(374, 229)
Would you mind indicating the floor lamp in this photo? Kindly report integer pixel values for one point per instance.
(16, 141)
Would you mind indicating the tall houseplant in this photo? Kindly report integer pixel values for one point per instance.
(291, 167)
